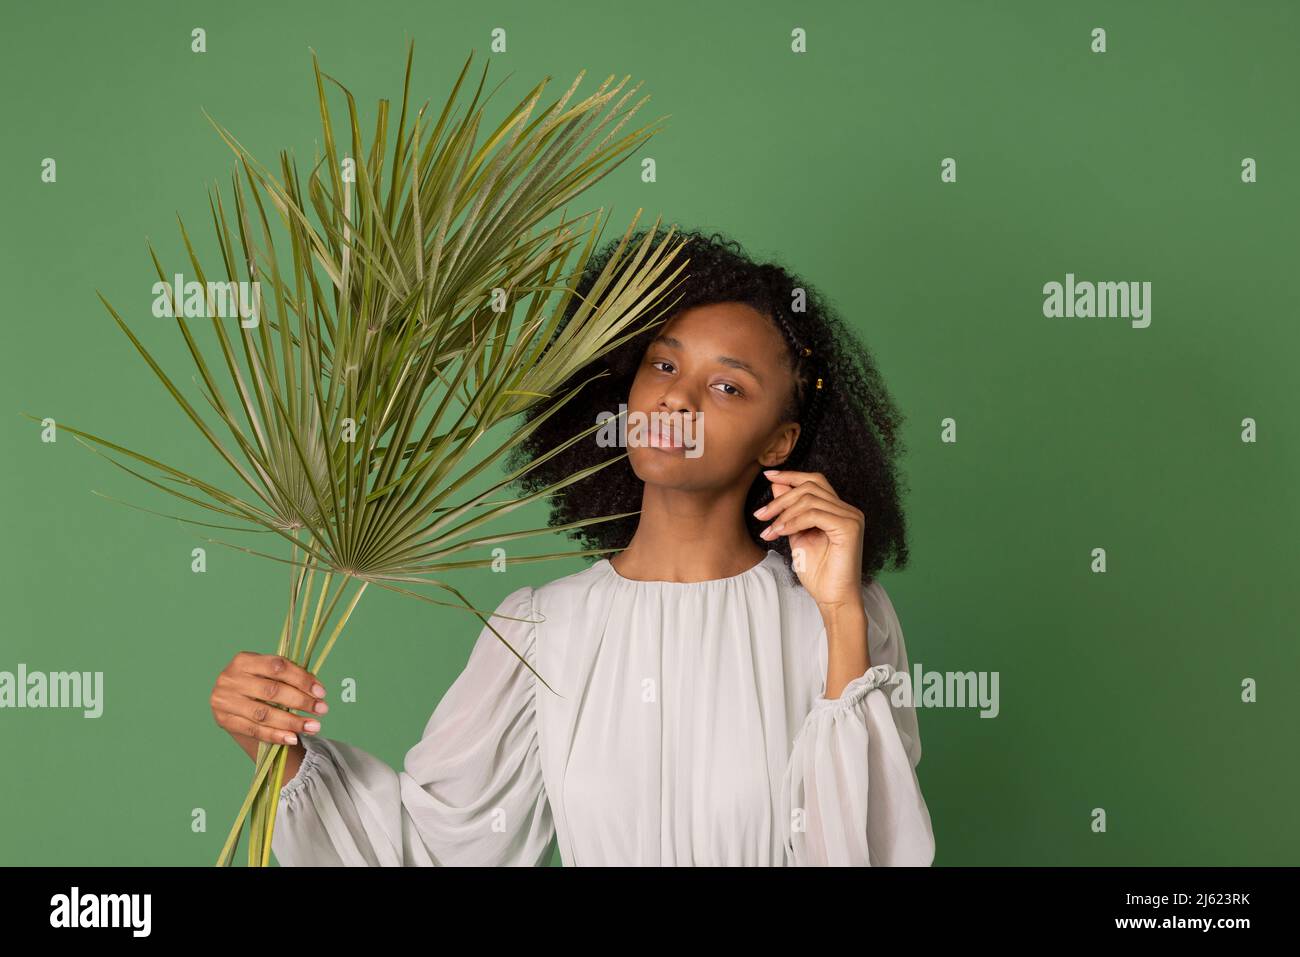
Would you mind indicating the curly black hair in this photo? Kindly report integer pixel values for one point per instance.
(849, 428)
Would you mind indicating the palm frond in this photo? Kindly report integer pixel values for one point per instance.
(404, 315)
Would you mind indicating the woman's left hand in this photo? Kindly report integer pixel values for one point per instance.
(825, 535)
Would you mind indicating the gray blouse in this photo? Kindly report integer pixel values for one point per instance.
(687, 726)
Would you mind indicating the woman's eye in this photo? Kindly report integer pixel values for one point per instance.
(657, 363)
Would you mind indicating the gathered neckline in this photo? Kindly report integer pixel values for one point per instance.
(772, 554)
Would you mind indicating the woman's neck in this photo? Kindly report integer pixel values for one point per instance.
(685, 537)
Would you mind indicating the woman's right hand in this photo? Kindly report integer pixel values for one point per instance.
(247, 688)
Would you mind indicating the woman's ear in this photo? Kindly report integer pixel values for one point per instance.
(781, 445)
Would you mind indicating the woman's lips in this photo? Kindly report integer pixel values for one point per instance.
(668, 439)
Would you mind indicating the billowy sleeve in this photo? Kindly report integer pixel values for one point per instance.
(470, 793)
(850, 794)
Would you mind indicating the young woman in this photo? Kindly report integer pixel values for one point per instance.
(722, 685)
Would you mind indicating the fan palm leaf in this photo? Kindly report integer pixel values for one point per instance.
(411, 315)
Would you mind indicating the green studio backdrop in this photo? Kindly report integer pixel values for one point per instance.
(1120, 690)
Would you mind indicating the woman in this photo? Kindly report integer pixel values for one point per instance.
(721, 685)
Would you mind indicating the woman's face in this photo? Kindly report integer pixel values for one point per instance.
(719, 375)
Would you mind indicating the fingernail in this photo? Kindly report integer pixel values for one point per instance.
(321, 707)
(318, 691)
(291, 739)
(766, 533)
(758, 512)
(771, 472)
(311, 726)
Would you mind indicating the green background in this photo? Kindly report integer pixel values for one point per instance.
(1118, 690)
